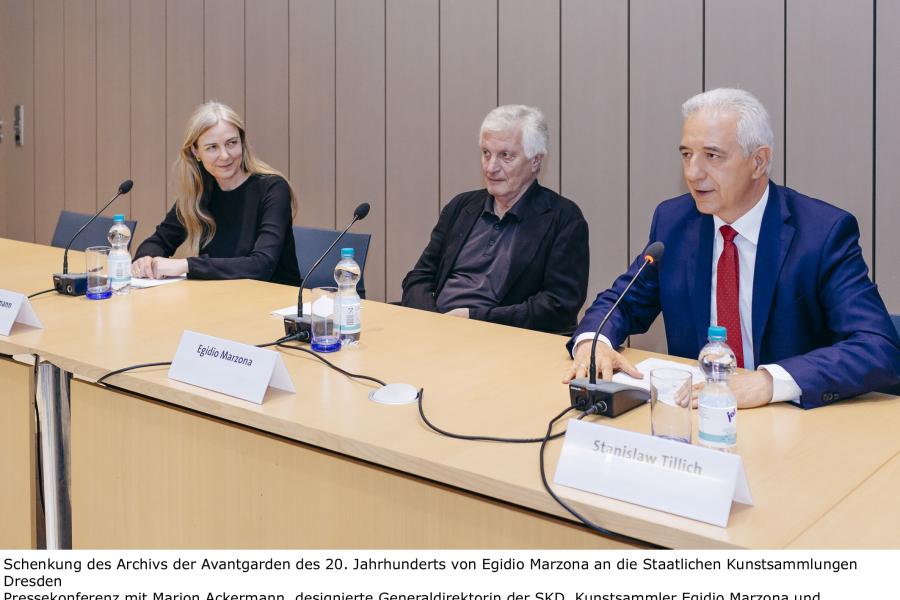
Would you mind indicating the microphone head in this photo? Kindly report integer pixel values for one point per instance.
(126, 186)
(654, 252)
(361, 211)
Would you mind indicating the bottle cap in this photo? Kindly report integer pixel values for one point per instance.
(347, 252)
(118, 218)
(716, 333)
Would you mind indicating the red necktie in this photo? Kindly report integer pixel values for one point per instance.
(728, 311)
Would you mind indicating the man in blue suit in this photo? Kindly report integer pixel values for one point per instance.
(782, 271)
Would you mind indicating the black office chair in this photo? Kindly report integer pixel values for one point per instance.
(311, 243)
(95, 235)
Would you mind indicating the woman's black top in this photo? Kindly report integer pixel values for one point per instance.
(253, 237)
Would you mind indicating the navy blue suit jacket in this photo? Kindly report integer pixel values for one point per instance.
(815, 311)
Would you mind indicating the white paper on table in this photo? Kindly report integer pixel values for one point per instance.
(647, 365)
(142, 282)
(324, 307)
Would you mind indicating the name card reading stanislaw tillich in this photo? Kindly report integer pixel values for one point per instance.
(16, 308)
(226, 366)
(679, 478)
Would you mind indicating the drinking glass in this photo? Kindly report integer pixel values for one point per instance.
(668, 418)
(96, 263)
(324, 336)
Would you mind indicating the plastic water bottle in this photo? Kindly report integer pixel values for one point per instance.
(717, 407)
(119, 257)
(347, 274)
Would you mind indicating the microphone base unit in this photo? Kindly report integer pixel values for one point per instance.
(70, 284)
(612, 399)
(299, 327)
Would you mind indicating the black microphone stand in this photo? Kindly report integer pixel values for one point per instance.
(300, 327)
(611, 399)
(76, 284)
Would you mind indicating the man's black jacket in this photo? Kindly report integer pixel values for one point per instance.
(547, 282)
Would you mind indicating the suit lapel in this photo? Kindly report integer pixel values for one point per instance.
(699, 272)
(533, 227)
(775, 238)
(459, 232)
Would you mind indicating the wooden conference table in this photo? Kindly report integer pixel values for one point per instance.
(158, 463)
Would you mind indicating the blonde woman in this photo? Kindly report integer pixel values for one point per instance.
(233, 211)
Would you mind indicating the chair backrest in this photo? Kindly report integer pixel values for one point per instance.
(95, 235)
(311, 243)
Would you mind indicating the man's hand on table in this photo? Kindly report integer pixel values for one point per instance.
(751, 388)
(608, 361)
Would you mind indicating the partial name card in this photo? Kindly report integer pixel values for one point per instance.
(686, 480)
(16, 308)
(229, 367)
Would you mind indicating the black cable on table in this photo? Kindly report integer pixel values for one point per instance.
(131, 368)
(589, 524)
(331, 364)
(164, 364)
(41, 292)
(479, 438)
(278, 342)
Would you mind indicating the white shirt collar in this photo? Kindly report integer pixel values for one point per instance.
(750, 223)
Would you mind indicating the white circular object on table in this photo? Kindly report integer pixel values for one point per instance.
(395, 393)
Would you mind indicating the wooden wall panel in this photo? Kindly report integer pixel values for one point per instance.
(17, 87)
(330, 99)
(267, 53)
(360, 70)
(81, 105)
(412, 147)
(312, 118)
(528, 67)
(5, 111)
(223, 37)
(660, 82)
(745, 49)
(829, 105)
(184, 79)
(468, 90)
(148, 116)
(887, 154)
(48, 120)
(113, 103)
(594, 80)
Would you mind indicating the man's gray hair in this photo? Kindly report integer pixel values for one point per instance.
(535, 132)
(753, 126)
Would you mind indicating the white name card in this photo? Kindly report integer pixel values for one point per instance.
(674, 477)
(236, 369)
(16, 308)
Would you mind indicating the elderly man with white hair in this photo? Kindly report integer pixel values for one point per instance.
(782, 272)
(515, 252)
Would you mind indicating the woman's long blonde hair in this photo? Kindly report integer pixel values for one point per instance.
(192, 181)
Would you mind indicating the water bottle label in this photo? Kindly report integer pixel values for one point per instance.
(120, 268)
(348, 318)
(717, 425)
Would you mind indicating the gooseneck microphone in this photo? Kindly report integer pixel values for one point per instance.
(612, 399)
(300, 327)
(76, 283)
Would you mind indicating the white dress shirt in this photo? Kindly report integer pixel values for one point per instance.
(748, 226)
